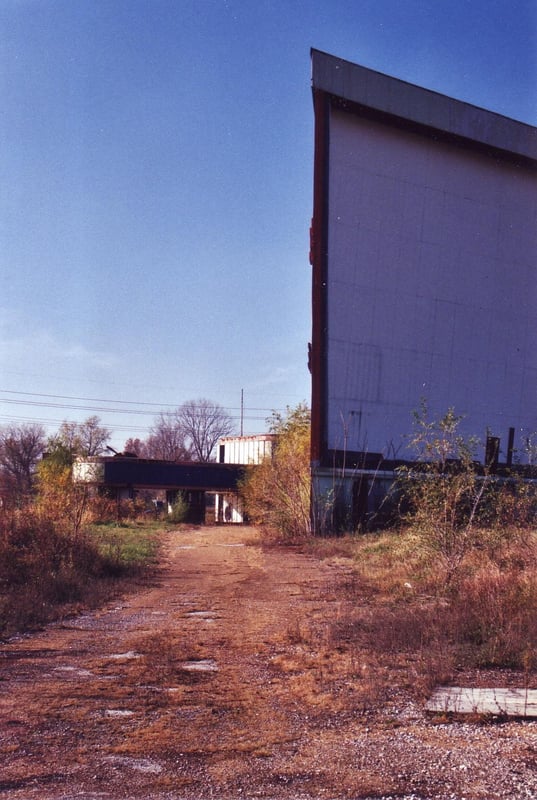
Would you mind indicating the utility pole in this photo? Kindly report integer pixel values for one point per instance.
(242, 411)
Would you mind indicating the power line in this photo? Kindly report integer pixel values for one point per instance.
(71, 407)
(37, 376)
(102, 410)
(87, 399)
(103, 400)
(40, 400)
(53, 422)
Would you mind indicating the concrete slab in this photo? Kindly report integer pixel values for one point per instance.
(505, 702)
(200, 665)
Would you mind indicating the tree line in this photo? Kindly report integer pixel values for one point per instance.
(188, 433)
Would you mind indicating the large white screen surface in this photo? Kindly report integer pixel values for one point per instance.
(431, 287)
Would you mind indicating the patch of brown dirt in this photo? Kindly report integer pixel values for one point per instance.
(224, 680)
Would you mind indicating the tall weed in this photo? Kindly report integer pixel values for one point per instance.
(494, 613)
(45, 570)
(486, 616)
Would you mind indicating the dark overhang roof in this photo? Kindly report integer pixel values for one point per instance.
(153, 473)
(420, 107)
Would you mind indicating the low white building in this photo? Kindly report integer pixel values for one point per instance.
(240, 450)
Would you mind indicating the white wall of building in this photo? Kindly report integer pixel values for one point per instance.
(432, 287)
(246, 449)
(88, 470)
(229, 508)
(240, 450)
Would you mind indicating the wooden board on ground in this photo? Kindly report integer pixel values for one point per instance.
(503, 702)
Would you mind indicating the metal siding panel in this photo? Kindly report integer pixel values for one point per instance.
(437, 283)
(421, 106)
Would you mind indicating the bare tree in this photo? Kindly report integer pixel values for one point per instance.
(166, 439)
(21, 446)
(188, 433)
(87, 438)
(203, 423)
(93, 436)
(136, 446)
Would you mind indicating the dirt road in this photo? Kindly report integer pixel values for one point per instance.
(223, 680)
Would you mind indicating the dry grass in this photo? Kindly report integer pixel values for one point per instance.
(413, 618)
(231, 717)
(46, 572)
(316, 665)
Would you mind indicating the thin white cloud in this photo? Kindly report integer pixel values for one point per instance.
(44, 350)
(282, 380)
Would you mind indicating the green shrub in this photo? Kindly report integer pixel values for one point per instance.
(442, 495)
(179, 510)
(276, 493)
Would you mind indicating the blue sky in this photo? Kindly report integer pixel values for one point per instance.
(156, 169)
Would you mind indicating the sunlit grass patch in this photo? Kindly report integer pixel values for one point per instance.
(127, 546)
